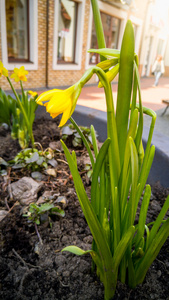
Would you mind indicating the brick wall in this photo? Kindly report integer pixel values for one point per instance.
(37, 78)
(65, 77)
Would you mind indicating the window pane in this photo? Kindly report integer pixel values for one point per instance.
(17, 29)
(115, 33)
(93, 45)
(67, 31)
(111, 26)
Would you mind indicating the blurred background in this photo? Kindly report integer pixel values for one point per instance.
(51, 38)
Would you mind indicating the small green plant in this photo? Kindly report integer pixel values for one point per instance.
(41, 213)
(38, 214)
(19, 112)
(7, 108)
(34, 159)
(19, 128)
(122, 248)
(71, 131)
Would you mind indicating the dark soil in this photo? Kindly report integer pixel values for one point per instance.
(33, 271)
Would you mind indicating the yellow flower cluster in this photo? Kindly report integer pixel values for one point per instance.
(56, 101)
(18, 75)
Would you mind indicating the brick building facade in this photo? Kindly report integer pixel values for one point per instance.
(55, 54)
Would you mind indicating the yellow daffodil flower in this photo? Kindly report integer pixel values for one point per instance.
(33, 94)
(19, 74)
(60, 101)
(3, 70)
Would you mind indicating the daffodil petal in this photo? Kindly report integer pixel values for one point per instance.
(46, 96)
(5, 72)
(55, 109)
(54, 115)
(57, 104)
(65, 116)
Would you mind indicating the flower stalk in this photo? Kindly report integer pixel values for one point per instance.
(22, 110)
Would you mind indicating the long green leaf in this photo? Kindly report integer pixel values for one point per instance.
(125, 87)
(122, 246)
(143, 215)
(152, 252)
(107, 52)
(97, 260)
(134, 166)
(158, 221)
(87, 208)
(94, 140)
(84, 140)
(96, 171)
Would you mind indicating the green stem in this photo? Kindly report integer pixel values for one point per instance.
(23, 95)
(23, 112)
(98, 26)
(84, 140)
(114, 163)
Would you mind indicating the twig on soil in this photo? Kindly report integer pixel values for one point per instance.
(21, 259)
(6, 203)
(38, 234)
(10, 209)
(27, 265)
(63, 161)
(8, 183)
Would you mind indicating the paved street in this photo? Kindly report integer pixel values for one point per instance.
(92, 96)
(151, 97)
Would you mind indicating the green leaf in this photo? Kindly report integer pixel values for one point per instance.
(143, 214)
(58, 211)
(88, 211)
(76, 250)
(122, 246)
(152, 252)
(94, 141)
(158, 221)
(134, 167)
(125, 86)
(97, 168)
(106, 52)
(84, 141)
(45, 207)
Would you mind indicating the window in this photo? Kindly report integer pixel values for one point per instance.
(111, 26)
(17, 30)
(19, 33)
(68, 30)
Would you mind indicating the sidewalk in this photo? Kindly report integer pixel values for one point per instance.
(92, 96)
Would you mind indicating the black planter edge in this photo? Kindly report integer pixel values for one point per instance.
(159, 172)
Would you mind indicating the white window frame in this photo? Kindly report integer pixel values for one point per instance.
(79, 38)
(33, 38)
(112, 11)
